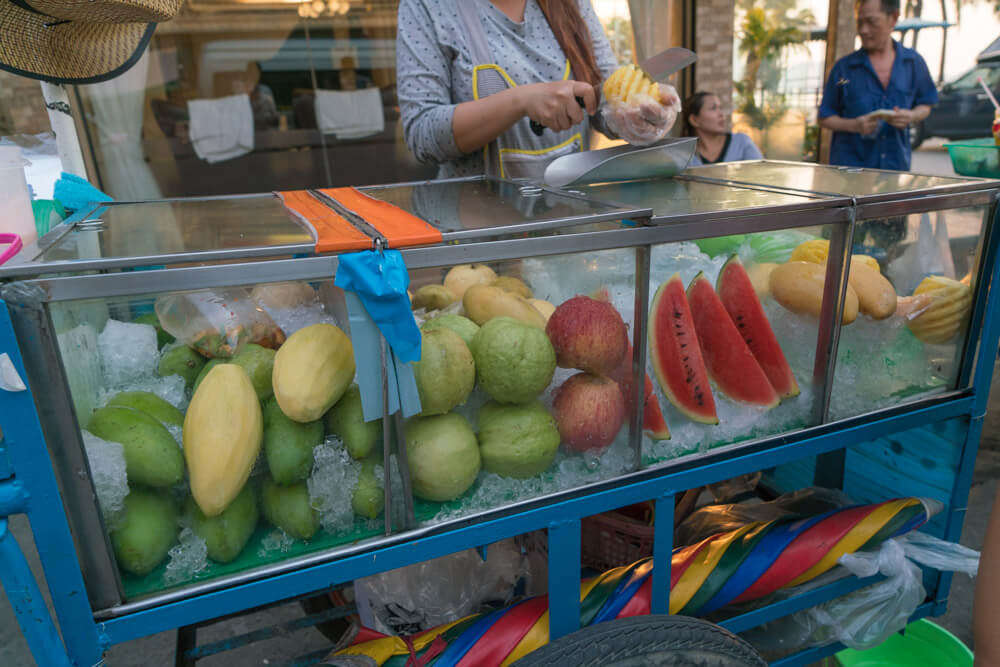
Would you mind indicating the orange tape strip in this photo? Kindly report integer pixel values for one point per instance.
(398, 226)
(333, 232)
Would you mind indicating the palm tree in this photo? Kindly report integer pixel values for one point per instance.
(764, 34)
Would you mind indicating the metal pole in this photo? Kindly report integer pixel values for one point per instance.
(29, 605)
(564, 578)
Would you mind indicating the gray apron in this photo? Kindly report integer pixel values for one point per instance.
(517, 153)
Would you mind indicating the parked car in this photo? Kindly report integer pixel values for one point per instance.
(963, 110)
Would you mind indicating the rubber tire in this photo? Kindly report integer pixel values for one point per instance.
(917, 136)
(647, 641)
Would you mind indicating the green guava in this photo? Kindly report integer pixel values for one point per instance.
(446, 372)
(515, 361)
(463, 326)
(517, 440)
(443, 456)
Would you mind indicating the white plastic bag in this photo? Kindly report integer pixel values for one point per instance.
(867, 617)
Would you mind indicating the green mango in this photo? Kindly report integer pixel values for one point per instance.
(345, 421)
(225, 534)
(258, 362)
(162, 337)
(152, 456)
(146, 532)
(212, 363)
(369, 496)
(288, 444)
(151, 404)
(181, 360)
(288, 508)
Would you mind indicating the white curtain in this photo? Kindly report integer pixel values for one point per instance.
(117, 109)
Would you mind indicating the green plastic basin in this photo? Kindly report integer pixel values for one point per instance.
(975, 157)
(923, 645)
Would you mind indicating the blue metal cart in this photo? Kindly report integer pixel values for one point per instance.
(919, 439)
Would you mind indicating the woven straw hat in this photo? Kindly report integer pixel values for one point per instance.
(77, 41)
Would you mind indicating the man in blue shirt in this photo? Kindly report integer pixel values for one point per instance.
(874, 94)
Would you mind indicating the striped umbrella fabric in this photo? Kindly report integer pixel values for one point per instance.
(744, 564)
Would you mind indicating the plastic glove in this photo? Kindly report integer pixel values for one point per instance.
(643, 120)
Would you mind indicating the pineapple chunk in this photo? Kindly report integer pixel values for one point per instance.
(629, 81)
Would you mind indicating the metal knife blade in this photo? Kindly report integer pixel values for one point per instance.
(665, 63)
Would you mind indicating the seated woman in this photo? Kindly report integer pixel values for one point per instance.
(703, 118)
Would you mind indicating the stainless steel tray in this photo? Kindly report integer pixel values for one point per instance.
(622, 163)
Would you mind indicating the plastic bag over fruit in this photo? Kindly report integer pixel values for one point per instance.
(636, 109)
(217, 322)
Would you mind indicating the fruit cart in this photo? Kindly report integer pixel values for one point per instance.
(859, 302)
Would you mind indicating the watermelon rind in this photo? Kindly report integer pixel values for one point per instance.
(741, 302)
(666, 327)
(730, 363)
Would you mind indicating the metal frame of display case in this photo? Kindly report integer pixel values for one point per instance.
(29, 477)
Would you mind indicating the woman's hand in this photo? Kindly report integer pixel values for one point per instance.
(554, 104)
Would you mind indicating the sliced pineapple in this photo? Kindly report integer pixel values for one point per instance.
(628, 81)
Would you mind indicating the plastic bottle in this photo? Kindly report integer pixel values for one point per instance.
(15, 205)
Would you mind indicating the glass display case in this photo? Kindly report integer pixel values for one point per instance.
(914, 257)
(214, 325)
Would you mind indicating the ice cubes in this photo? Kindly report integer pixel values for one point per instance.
(128, 352)
(332, 483)
(107, 471)
(82, 361)
(277, 540)
(187, 558)
(292, 319)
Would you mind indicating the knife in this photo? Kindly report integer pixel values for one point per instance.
(658, 68)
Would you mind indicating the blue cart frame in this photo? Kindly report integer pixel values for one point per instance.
(28, 486)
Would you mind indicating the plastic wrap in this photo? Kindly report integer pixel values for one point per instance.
(715, 519)
(642, 120)
(424, 595)
(217, 322)
(867, 617)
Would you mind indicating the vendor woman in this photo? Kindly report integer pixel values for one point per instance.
(473, 74)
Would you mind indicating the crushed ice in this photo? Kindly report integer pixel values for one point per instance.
(187, 558)
(277, 540)
(292, 319)
(332, 483)
(170, 388)
(107, 470)
(129, 352)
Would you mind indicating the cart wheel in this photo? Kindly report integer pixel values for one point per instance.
(648, 641)
(335, 629)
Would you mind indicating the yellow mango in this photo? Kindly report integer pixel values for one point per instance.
(544, 307)
(484, 302)
(462, 277)
(876, 295)
(223, 430)
(817, 250)
(312, 370)
(798, 286)
(760, 276)
(948, 309)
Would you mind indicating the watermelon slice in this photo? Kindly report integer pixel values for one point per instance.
(676, 355)
(740, 300)
(652, 416)
(731, 364)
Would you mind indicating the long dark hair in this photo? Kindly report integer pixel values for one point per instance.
(692, 107)
(571, 32)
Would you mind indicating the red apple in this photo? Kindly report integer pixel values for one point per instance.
(588, 334)
(589, 411)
